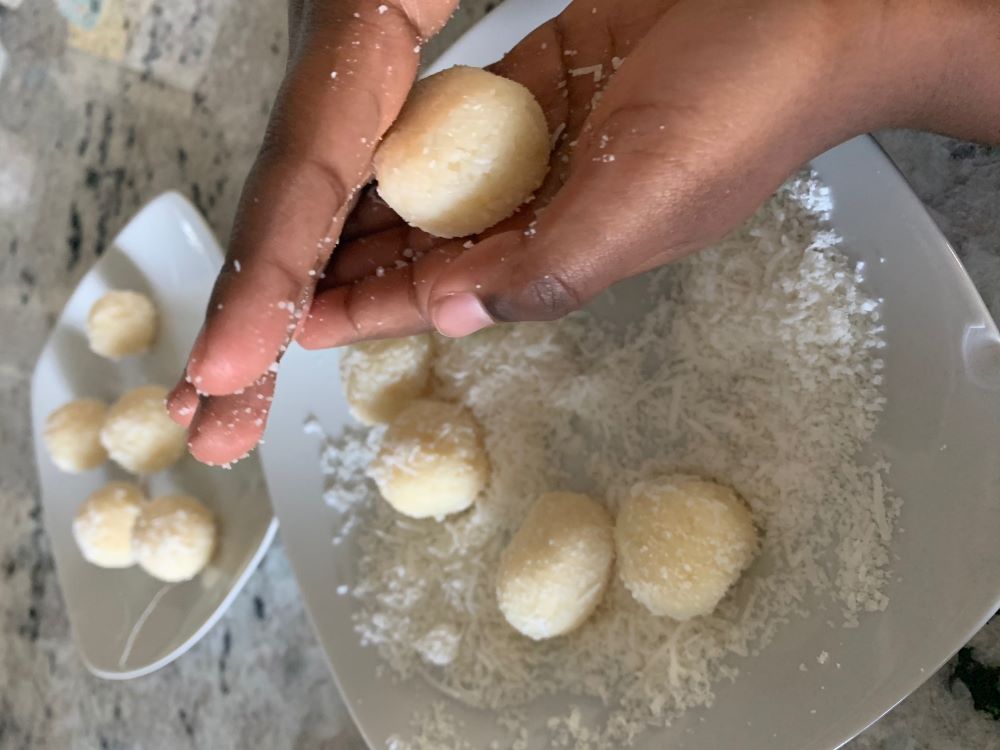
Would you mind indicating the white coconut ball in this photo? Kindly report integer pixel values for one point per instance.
(121, 323)
(138, 433)
(556, 568)
(682, 542)
(104, 523)
(174, 538)
(73, 435)
(431, 462)
(467, 149)
(381, 377)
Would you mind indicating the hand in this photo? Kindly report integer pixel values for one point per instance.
(713, 104)
(351, 65)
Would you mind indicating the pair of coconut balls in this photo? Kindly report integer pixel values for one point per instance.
(172, 537)
(431, 462)
(681, 543)
(135, 432)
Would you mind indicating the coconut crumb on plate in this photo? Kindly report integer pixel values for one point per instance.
(757, 367)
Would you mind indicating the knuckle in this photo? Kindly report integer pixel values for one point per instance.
(313, 171)
(298, 168)
(545, 297)
(352, 304)
(292, 276)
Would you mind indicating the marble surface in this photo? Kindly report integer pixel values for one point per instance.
(101, 114)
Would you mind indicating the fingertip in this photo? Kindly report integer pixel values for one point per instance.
(245, 336)
(223, 447)
(221, 373)
(226, 428)
(209, 374)
(232, 363)
(182, 403)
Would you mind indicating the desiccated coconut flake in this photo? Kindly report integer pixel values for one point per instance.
(597, 71)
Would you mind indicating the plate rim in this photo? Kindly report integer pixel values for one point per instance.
(881, 158)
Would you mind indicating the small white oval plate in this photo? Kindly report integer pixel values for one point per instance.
(126, 623)
(940, 432)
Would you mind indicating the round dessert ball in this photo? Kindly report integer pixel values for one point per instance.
(138, 433)
(682, 542)
(73, 435)
(104, 523)
(467, 149)
(555, 570)
(431, 462)
(381, 377)
(174, 538)
(121, 323)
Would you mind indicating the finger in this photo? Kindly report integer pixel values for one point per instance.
(314, 159)
(386, 306)
(397, 246)
(392, 303)
(226, 428)
(182, 403)
(376, 254)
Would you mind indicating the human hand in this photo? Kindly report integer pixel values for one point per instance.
(351, 65)
(715, 104)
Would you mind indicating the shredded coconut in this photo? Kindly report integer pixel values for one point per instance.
(757, 367)
(597, 71)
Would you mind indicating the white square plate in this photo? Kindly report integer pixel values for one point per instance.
(126, 623)
(942, 380)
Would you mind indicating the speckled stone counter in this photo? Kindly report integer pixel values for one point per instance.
(98, 115)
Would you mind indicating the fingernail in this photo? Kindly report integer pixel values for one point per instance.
(459, 315)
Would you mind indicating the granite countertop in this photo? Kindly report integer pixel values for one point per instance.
(106, 103)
